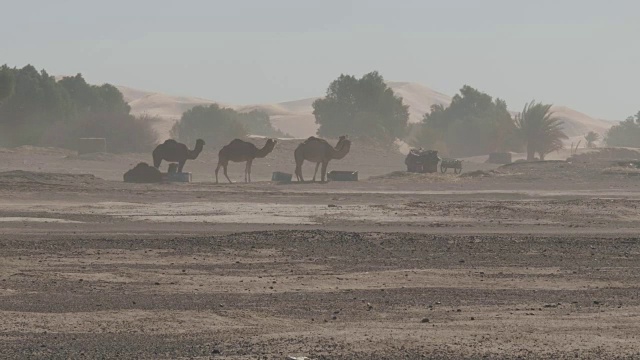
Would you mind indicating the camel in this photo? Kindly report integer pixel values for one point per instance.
(143, 173)
(321, 152)
(242, 151)
(174, 151)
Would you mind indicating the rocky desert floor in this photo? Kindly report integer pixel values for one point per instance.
(529, 260)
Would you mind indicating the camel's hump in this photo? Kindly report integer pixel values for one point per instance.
(170, 141)
(313, 138)
(237, 141)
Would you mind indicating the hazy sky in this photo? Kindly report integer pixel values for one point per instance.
(583, 54)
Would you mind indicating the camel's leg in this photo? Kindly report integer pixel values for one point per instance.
(181, 165)
(249, 163)
(316, 172)
(246, 172)
(224, 167)
(299, 172)
(157, 160)
(217, 169)
(324, 171)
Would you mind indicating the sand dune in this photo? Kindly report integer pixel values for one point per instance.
(296, 117)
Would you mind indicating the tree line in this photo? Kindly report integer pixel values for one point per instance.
(35, 109)
(473, 124)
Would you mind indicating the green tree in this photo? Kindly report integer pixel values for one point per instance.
(259, 123)
(539, 129)
(364, 107)
(591, 138)
(41, 111)
(214, 124)
(625, 134)
(36, 104)
(473, 124)
(104, 99)
(7, 82)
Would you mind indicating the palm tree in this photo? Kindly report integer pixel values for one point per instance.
(591, 138)
(540, 130)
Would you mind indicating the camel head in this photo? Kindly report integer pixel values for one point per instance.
(267, 148)
(342, 148)
(200, 142)
(342, 140)
(271, 143)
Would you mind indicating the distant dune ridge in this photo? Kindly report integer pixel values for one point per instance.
(296, 118)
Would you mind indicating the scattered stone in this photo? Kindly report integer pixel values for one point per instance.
(425, 320)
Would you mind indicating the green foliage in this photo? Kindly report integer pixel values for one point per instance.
(591, 138)
(364, 107)
(41, 111)
(473, 124)
(625, 134)
(7, 82)
(258, 123)
(540, 130)
(217, 125)
(214, 124)
(104, 99)
(37, 103)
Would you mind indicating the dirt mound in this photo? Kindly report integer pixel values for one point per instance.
(143, 173)
(477, 174)
(606, 154)
(538, 164)
(100, 156)
(28, 149)
(24, 177)
(403, 176)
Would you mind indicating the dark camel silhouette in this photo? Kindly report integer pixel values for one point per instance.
(319, 151)
(174, 151)
(143, 173)
(239, 151)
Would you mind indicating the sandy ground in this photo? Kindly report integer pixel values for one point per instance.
(532, 261)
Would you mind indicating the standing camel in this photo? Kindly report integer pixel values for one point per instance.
(173, 151)
(239, 151)
(319, 151)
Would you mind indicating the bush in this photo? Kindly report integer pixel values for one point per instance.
(215, 125)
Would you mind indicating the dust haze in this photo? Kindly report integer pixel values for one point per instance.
(379, 219)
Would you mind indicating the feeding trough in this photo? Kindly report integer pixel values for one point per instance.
(341, 175)
(281, 177)
(178, 177)
(174, 176)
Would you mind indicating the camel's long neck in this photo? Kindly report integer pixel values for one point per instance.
(193, 154)
(266, 149)
(341, 152)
